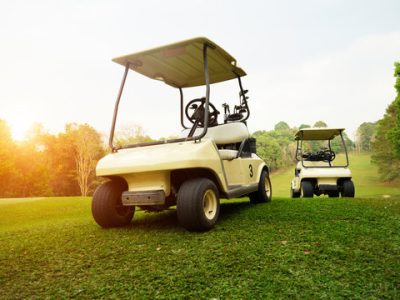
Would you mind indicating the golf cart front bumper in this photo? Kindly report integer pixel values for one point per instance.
(143, 198)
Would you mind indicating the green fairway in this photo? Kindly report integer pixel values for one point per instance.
(304, 248)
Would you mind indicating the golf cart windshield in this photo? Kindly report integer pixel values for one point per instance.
(321, 147)
(189, 63)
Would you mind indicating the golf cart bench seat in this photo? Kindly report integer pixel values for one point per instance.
(224, 134)
(312, 164)
(230, 133)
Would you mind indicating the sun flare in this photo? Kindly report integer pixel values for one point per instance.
(19, 130)
(20, 122)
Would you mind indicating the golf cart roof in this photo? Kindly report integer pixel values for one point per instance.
(181, 64)
(318, 133)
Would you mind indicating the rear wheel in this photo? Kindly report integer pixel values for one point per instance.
(264, 192)
(107, 208)
(307, 189)
(198, 204)
(348, 189)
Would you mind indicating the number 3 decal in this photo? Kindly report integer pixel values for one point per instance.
(251, 170)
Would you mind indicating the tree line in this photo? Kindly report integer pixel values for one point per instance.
(64, 164)
(49, 165)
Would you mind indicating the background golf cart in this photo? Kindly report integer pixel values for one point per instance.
(322, 164)
(209, 161)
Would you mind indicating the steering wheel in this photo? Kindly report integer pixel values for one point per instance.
(327, 155)
(198, 106)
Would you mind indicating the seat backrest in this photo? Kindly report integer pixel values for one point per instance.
(223, 134)
(312, 164)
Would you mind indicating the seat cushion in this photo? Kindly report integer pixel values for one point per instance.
(224, 134)
(228, 154)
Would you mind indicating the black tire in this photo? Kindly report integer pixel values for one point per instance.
(333, 194)
(107, 208)
(348, 189)
(294, 194)
(198, 204)
(264, 192)
(307, 189)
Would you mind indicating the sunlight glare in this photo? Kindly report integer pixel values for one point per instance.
(20, 122)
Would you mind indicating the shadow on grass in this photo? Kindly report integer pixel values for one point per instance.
(165, 220)
(168, 220)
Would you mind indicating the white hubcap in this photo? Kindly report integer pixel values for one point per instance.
(210, 204)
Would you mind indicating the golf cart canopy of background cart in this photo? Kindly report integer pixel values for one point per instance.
(315, 134)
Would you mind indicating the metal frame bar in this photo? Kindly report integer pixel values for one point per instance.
(244, 98)
(206, 104)
(111, 139)
(345, 149)
(182, 119)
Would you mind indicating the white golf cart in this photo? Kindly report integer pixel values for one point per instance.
(316, 170)
(210, 161)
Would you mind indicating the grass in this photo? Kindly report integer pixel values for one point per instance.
(304, 248)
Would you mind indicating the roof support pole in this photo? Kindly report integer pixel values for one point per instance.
(110, 141)
(243, 98)
(345, 149)
(182, 122)
(207, 101)
(207, 81)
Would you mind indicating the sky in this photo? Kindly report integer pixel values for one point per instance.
(306, 61)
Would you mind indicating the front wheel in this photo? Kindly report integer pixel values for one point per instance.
(198, 204)
(107, 208)
(307, 189)
(264, 192)
(348, 189)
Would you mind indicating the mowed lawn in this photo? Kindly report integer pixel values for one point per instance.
(303, 248)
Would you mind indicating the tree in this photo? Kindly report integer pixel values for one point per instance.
(320, 124)
(7, 160)
(59, 152)
(33, 175)
(270, 151)
(386, 144)
(87, 151)
(365, 135)
(281, 126)
(302, 126)
(133, 134)
(276, 147)
(394, 133)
